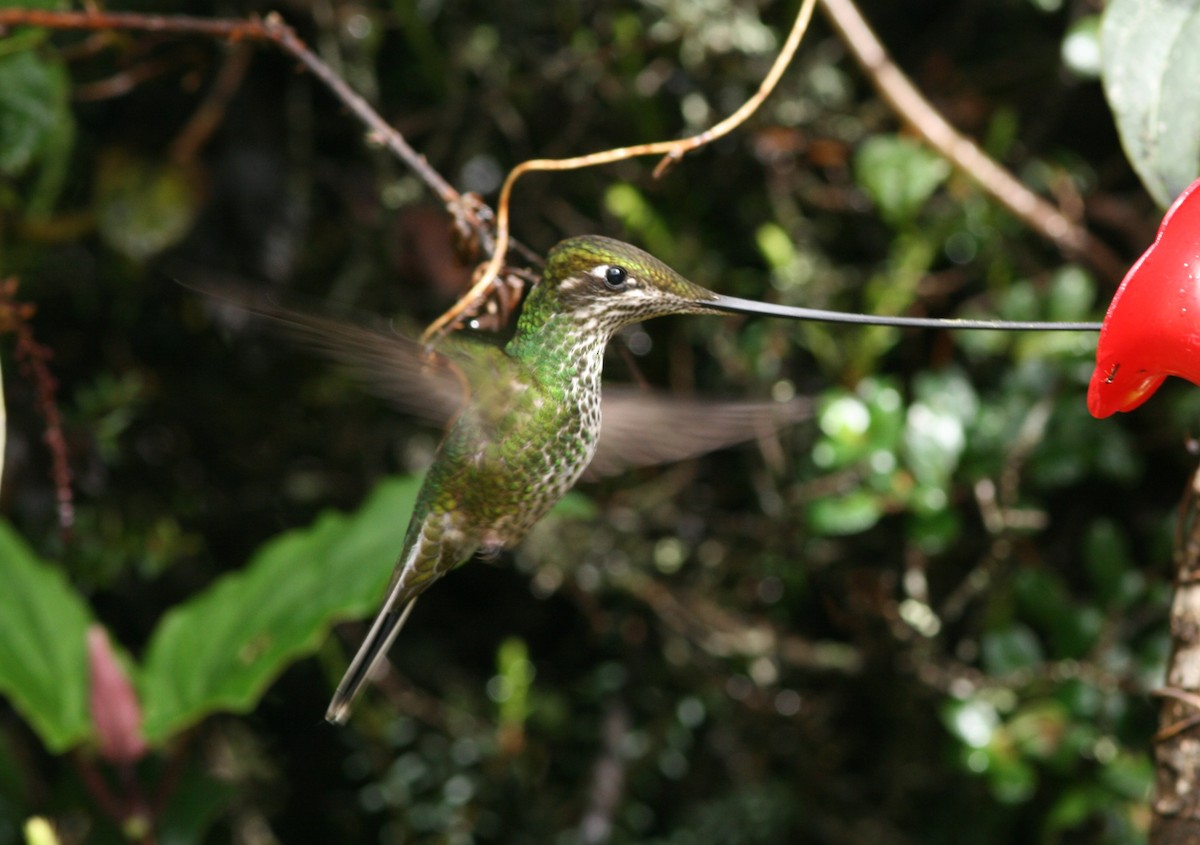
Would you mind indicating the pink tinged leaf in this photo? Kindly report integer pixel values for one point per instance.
(115, 710)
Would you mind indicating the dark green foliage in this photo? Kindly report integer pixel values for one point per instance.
(933, 615)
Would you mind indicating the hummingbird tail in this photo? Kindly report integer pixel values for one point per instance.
(374, 648)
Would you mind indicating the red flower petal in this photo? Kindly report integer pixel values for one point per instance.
(1152, 329)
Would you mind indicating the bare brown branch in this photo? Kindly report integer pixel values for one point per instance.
(1073, 239)
(270, 29)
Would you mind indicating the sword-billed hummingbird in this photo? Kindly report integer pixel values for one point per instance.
(529, 418)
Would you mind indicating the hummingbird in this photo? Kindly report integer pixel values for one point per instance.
(531, 421)
(528, 419)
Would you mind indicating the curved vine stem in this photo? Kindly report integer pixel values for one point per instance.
(671, 151)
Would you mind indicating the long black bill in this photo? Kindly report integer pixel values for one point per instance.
(735, 305)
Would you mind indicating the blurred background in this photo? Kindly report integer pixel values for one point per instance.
(931, 614)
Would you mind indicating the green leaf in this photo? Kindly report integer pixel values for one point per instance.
(38, 831)
(43, 659)
(1150, 69)
(899, 174)
(1114, 575)
(1076, 805)
(143, 207)
(1130, 776)
(1036, 731)
(33, 100)
(575, 506)
(1081, 47)
(933, 442)
(974, 721)
(1072, 294)
(513, 680)
(220, 650)
(629, 205)
(195, 804)
(933, 531)
(1013, 781)
(867, 422)
(847, 514)
(1010, 649)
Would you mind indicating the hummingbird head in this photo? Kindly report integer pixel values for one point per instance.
(613, 284)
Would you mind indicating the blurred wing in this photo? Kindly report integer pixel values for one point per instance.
(639, 428)
(421, 381)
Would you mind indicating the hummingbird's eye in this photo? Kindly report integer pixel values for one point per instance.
(615, 278)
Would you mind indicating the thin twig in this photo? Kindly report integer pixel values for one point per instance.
(205, 120)
(120, 84)
(608, 777)
(671, 151)
(33, 360)
(1040, 215)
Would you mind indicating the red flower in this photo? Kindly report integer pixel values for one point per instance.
(1152, 329)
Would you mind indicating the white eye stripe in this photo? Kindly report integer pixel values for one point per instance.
(600, 271)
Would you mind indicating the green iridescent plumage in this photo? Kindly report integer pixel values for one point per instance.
(532, 423)
(525, 419)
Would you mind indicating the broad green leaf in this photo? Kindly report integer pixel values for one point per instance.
(220, 650)
(1150, 69)
(43, 659)
(33, 102)
(899, 174)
